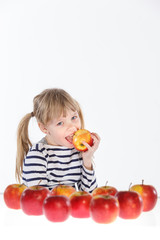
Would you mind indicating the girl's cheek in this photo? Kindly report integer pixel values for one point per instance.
(79, 124)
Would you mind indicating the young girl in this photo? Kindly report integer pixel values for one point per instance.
(54, 160)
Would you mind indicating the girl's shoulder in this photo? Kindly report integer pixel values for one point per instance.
(39, 147)
(43, 146)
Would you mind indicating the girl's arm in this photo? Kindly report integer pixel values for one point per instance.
(89, 154)
(88, 179)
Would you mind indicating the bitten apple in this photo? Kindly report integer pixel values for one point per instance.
(64, 190)
(80, 204)
(32, 200)
(148, 194)
(104, 209)
(56, 208)
(130, 204)
(12, 195)
(105, 190)
(80, 136)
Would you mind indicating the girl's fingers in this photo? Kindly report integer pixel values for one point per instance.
(96, 135)
(96, 140)
(86, 144)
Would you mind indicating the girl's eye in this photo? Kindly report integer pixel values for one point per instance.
(60, 124)
(74, 117)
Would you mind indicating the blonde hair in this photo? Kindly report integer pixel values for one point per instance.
(49, 104)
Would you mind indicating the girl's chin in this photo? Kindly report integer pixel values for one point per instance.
(68, 144)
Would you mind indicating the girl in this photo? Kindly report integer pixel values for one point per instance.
(54, 160)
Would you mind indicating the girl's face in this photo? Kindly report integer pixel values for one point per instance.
(60, 131)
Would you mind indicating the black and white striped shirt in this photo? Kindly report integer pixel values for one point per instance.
(55, 165)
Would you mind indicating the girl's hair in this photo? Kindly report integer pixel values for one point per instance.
(49, 104)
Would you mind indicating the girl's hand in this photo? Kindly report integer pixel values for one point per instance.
(88, 155)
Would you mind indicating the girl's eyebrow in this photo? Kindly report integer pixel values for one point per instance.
(61, 117)
(75, 113)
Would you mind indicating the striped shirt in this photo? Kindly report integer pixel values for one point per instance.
(53, 165)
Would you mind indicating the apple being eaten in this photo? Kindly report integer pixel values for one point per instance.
(56, 208)
(32, 200)
(148, 194)
(104, 209)
(80, 204)
(64, 190)
(12, 195)
(130, 204)
(80, 136)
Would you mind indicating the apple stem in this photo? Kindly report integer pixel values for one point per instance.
(39, 182)
(130, 186)
(59, 183)
(106, 183)
(142, 181)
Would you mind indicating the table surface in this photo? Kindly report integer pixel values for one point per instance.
(16, 223)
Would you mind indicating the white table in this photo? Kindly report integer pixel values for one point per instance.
(14, 223)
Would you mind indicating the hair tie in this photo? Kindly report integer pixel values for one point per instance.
(32, 114)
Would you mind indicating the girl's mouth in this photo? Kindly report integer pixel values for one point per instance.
(70, 138)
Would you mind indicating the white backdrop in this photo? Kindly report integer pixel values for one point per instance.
(106, 54)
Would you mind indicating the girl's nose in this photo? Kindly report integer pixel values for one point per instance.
(72, 128)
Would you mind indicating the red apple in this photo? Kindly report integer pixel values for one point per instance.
(104, 209)
(56, 208)
(104, 190)
(12, 195)
(64, 190)
(130, 204)
(80, 204)
(32, 200)
(80, 136)
(148, 194)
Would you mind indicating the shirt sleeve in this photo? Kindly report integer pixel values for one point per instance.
(35, 168)
(88, 180)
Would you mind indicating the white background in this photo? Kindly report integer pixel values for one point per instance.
(106, 54)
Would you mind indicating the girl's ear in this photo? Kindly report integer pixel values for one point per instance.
(42, 127)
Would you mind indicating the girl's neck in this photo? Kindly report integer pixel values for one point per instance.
(49, 142)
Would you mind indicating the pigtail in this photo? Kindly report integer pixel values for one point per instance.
(23, 144)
